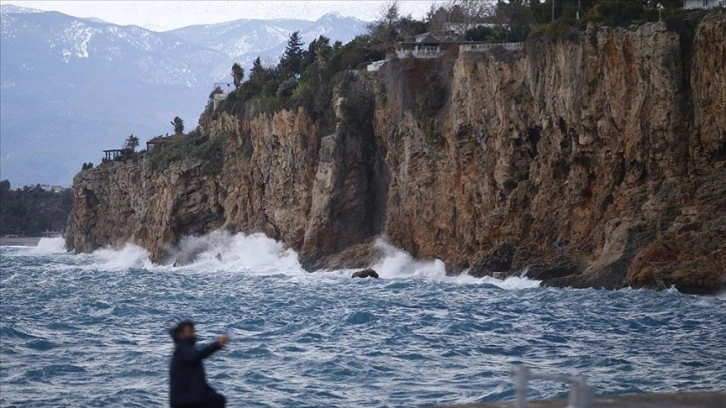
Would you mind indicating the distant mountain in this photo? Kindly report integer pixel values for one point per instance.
(71, 87)
(11, 8)
(245, 40)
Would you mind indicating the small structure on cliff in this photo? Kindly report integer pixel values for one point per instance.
(112, 154)
(220, 93)
(160, 142)
(428, 46)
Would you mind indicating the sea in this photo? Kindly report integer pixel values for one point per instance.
(91, 330)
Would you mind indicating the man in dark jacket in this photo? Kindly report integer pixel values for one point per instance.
(188, 386)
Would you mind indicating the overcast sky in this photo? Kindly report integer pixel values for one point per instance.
(166, 15)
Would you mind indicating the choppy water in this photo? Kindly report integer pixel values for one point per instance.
(90, 330)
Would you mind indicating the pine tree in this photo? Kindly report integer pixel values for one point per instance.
(257, 73)
(293, 57)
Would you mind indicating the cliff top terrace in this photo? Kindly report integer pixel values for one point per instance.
(427, 45)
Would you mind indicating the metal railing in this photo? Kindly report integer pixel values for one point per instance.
(423, 52)
(580, 395)
(485, 47)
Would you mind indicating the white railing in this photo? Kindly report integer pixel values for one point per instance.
(580, 395)
(424, 52)
(512, 46)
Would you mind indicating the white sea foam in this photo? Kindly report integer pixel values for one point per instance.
(395, 263)
(49, 246)
(257, 254)
(222, 251)
(128, 256)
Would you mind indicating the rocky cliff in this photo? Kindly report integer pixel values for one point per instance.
(595, 160)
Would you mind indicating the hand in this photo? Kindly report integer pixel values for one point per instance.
(223, 340)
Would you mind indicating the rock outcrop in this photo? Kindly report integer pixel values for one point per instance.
(365, 273)
(594, 161)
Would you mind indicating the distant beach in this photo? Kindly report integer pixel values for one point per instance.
(25, 241)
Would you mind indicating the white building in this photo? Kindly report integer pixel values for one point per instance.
(693, 4)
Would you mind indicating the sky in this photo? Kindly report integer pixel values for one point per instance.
(167, 15)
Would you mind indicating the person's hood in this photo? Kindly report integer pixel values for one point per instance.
(178, 339)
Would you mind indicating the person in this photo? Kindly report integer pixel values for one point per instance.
(188, 387)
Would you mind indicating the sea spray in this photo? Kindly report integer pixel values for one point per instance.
(49, 246)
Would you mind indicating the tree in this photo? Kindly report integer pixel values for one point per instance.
(178, 124)
(383, 30)
(257, 73)
(132, 143)
(518, 15)
(237, 74)
(292, 59)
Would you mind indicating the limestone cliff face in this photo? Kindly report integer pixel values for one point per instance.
(596, 161)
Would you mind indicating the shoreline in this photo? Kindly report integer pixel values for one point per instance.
(24, 241)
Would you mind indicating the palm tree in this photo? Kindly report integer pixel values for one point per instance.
(237, 73)
(132, 143)
(178, 124)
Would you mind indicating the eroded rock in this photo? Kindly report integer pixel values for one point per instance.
(365, 273)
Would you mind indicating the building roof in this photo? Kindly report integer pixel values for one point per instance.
(430, 39)
(165, 139)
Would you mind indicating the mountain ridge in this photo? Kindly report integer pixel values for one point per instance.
(93, 83)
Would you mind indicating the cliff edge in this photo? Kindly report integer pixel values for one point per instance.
(596, 160)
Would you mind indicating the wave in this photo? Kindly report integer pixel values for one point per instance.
(126, 257)
(222, 251)
(257, 254)
(395, 263)
(49, 246)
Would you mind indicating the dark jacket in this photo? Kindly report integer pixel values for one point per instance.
(187, 379)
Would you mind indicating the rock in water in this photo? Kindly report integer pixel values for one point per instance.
(365, 273)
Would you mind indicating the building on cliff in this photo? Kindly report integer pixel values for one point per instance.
(160, 142)
(694, 4)
(427, 45)
(220, 93)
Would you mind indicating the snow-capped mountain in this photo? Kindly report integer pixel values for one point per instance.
(245, 40)
(72, 87)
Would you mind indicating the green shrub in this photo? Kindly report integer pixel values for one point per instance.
(270, 104)
(357, 109)
(286, 88)
(210, 151)
(248, 90)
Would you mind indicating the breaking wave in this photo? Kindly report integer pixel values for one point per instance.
(49, 246)
(257, 254)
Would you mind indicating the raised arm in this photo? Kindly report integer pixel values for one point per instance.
(191, 354)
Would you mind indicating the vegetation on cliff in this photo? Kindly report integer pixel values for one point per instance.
(193, 146)
(30, 211)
